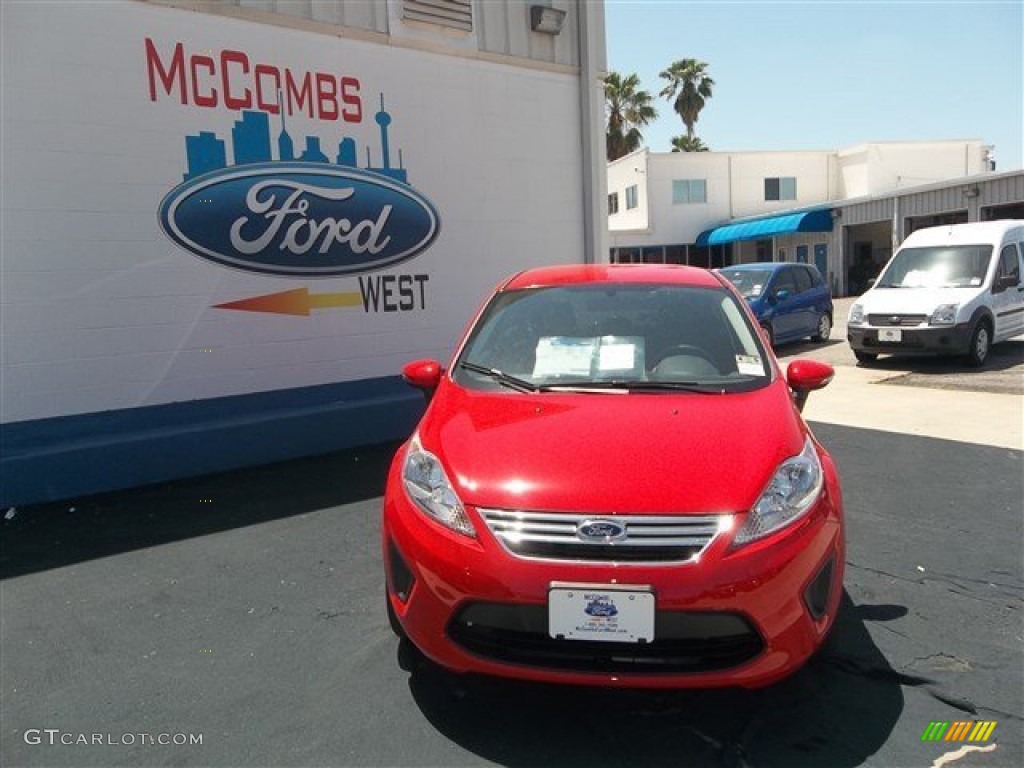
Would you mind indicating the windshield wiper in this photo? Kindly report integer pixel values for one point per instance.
(512, 382)
(640, 386)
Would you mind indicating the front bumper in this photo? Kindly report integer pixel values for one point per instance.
(734, 618)
(917, 340)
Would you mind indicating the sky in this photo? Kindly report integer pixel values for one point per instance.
(827, 75)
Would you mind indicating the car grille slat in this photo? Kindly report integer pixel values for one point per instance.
(645, 539)
(893, 321)
(533, 527)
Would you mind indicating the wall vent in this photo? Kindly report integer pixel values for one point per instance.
(454, 14)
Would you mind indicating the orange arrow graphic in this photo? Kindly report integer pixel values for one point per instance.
(296, 302)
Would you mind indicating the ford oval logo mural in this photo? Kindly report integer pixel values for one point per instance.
(603, 531)
(299, 219)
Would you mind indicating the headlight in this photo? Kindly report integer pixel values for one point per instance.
(429, 488)
(944, 315)
(792, 491)
(856, 315)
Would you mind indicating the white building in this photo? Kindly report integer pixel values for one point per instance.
(715, 208)
(226, 225)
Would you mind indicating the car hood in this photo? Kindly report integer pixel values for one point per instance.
(612, 453)
(913, 301)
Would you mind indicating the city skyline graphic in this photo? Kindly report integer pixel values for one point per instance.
(251, 142)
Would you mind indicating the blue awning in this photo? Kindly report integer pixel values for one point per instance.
(808, 221)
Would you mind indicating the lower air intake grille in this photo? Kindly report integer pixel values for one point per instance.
(685, 642)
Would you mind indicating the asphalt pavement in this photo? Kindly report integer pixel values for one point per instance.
(246, 609)
(929, 396)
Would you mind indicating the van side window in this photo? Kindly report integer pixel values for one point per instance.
(1009, 266)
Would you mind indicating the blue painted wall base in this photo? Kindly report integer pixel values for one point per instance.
(69, 456)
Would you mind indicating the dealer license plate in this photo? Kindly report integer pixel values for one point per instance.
(601, 612)
(890, 334)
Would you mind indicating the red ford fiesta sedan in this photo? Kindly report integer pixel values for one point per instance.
(612, 485)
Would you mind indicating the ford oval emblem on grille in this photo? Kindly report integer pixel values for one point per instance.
(600, 531)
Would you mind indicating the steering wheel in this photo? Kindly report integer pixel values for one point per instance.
(684, 349)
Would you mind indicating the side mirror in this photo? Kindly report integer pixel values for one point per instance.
(871, 282)
(781, 295)
(424, 375)
(805, 376)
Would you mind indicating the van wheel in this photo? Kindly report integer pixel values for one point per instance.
(824, 328)
(981, 341)
(864, 357)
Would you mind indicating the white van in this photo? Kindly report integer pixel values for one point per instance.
(954, 289)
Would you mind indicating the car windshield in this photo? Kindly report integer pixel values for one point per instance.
(946, 266)
(614, 338)
(749, 282)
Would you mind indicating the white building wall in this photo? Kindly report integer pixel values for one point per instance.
(734, 189)
(626, 172)
(102, 311)
(881, 167)
(736, 184)
(500, 27)
(749, 171)
(681, 223)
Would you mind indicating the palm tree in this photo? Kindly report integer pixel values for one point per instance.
(686, 144)
(627, 110)
(688, 86)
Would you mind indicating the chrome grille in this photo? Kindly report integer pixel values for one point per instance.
(646, 538)
(891, 321)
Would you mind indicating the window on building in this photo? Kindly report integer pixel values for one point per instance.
(700, 256)
(687, 191)
(780, 188)
(631, 197)
(613, 203)
(454, 14)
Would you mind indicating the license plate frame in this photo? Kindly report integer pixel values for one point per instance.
(611, 613)
(890, 335)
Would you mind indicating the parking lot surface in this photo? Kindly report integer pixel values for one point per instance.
(928, 396)
(247, 609)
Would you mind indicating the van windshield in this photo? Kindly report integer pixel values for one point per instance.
(941, 266)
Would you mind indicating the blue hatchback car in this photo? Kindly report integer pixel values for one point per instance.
(791, 301)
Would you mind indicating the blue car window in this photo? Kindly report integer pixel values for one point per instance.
(803, 279)
(784, 281)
